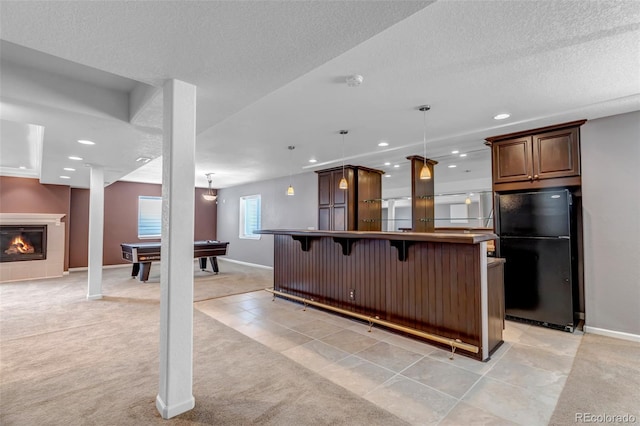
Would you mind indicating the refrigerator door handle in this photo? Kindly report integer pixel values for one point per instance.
(564, 237)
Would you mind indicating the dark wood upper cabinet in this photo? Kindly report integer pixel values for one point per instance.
(556, 154)
(512, 160)
(358, 208)
(537, 158)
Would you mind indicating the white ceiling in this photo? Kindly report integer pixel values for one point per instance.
(272, 74)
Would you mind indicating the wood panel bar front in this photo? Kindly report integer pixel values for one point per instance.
(437, 289)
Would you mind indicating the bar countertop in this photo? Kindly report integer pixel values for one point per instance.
(440, 237)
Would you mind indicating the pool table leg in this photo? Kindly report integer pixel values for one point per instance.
(203, 263)
(145, 267)
(214, 264)
(135, 270)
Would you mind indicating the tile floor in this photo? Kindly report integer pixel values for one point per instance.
(413, 380)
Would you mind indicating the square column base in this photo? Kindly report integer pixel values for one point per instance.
(168, 412)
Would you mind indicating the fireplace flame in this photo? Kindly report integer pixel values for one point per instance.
(20, 246)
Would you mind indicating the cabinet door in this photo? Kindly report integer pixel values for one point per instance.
(324, 189)
(512, 160)
(339, 195)
(324, 218)
(339, 218)
(556, 154)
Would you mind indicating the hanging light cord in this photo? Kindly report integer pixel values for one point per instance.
(424, 136)
(291, 148)
(343, 133)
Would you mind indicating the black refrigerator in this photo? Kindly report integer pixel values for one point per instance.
(537, 237)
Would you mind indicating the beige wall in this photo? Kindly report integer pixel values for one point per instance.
(121, 220)
(22, 195)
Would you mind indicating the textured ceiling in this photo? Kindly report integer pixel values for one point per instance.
(271, 74)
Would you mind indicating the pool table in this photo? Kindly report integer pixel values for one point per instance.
(142, 254)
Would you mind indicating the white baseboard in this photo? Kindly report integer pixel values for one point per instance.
(612, 333)
(255, 265)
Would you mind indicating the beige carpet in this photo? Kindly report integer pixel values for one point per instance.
(67, 361)
(233, 278)
(604, 380)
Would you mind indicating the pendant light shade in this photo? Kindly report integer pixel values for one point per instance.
(467, 200)
(343, 182)
(290, 190)
(425, 173)
(209, 195)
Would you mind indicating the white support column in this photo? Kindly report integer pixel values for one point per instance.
(176, 280)
(96, 232)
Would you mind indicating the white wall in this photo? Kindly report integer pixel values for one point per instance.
(611, 213)
(279, 211)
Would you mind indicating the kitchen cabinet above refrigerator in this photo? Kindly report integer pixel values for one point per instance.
(538, 158)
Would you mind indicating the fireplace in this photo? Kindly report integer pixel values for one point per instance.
(23, 242)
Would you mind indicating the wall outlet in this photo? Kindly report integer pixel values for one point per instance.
(352, 294)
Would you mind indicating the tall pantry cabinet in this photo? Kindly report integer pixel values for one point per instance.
(357, 208)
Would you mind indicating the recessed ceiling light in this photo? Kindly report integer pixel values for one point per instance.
(313, 160)
(69, 169)
(408, 198)
(387, 175)
(501, 116)
(451, 166)
(463, 155)
(396, 165)
(455, 152)
(383, 143)
(76, 158)
(86, 142)
(143, 160)
(22, 168)
(387, 163)
(65, 177)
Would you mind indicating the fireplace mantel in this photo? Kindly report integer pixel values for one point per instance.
(30, 218)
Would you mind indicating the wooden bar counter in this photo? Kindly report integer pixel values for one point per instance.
(436, 284)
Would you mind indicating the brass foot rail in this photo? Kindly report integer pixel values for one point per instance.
(453, 343)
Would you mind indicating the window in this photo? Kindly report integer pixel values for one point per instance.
(249, 216)
(149, 217)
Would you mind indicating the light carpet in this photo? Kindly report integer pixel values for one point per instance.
(68, 361)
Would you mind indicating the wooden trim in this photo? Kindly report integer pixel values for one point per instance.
(421, 159)
(538, 184)
(492, 139)
(462, 238)
(350, 166)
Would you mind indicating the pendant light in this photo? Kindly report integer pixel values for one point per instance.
(209, 195)
(425, 173)
(467, 200)
(290, 190)
(343, 182)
